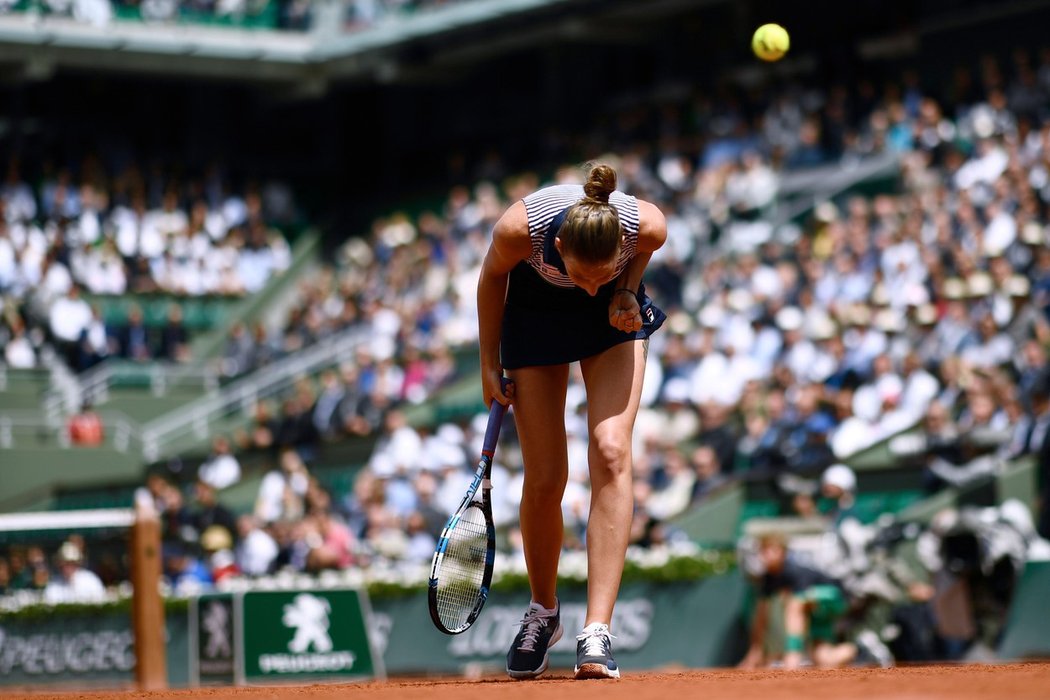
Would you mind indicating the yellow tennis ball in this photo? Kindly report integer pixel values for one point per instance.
(770, 42)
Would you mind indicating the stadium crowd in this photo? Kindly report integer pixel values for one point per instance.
(129, 231)
(790, 347)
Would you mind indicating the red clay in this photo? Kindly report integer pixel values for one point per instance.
(1022, 681)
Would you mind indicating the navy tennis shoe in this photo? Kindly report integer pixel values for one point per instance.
(594, 653)
(530, 653)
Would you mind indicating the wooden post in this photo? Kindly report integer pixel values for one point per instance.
(147, 608)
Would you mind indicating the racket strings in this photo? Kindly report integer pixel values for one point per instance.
(462, 570)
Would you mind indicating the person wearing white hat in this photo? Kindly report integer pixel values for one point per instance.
(74, 583)
(839, 484)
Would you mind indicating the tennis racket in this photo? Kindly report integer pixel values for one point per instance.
(462, 568)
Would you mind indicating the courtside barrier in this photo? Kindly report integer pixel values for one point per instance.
(303, 635)
(45, 654)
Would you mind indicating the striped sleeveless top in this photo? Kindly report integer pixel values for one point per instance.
(544, 205)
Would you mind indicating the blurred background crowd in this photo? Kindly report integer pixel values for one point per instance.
(135, 232)
(790, 346)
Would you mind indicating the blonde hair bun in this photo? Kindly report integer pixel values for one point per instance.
(600, 183)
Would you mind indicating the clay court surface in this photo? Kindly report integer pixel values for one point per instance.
(1010, 681)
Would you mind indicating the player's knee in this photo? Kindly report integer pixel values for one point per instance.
(542, 486)
(611, 453)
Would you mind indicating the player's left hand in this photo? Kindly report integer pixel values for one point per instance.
(624, 312)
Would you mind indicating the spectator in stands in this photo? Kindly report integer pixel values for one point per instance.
(385, 536)
(209, 512)
(183, 569)
(133, 337)
(676, 492)
(256, 550)
(260, 432)
(237, 354)
(838, 484)
(717, 432)
(368, 490)
(19, 352)
(16, 194)
(155, 494)
(709, 474)
(94, 344)
(329, 541)
(176, 520)
(264, 350)
(358, 413)
(282, 490)
(221, 469)
(69, 316)
(86, 428)
(39, 577)
(217, 550)
(421, 540)
(295, 427)
(17, 560)
(74, 584)
(324, 412)
(174, 338)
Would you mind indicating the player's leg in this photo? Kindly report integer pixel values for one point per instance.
(614, 386)
(539, 416)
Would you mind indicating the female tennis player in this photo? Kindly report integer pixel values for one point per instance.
(562, 282)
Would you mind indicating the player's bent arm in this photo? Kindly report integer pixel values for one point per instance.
(652, 227)
(510, 245)
(652, 232)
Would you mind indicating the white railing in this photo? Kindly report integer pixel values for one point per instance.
(799, 191)
(69, 391)
(24, 427)
(156, 438)
(195, 418)
(161, 376)
(160, 437)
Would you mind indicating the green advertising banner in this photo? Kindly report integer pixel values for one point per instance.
(309, 634)
(85, 649)
(693, 624)
(1026, 635)
(292, 635)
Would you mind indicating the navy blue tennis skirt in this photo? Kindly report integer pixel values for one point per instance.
(548, 325)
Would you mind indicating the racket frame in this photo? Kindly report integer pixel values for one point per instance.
(482, 481)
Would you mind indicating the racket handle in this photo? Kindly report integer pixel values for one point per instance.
(496, 411)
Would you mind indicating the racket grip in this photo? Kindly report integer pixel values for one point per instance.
(496, 411)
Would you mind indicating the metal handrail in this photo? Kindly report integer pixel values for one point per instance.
(156, 437)
(121, 429)
(94, 384)
(812, 186)
(161, 376)
(194, 417)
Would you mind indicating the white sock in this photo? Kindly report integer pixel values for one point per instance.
(596, 627)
